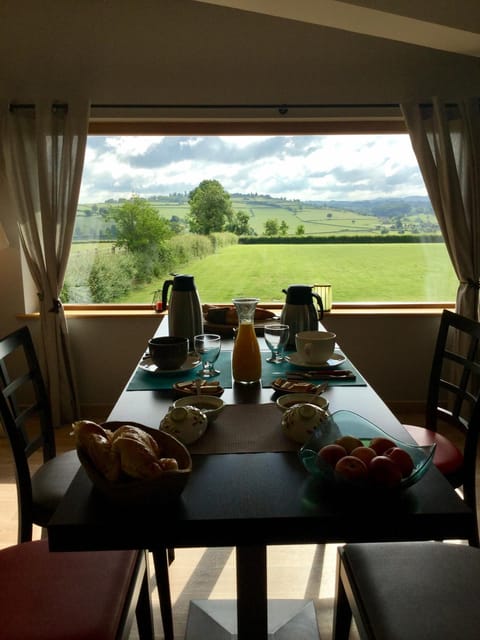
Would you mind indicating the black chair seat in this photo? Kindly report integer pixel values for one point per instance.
(409, 591)
(50, 482)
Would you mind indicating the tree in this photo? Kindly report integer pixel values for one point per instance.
(239, 225)
(300, 230)
(210, 208)
(271, 227)
(283, 228)
(139, 227)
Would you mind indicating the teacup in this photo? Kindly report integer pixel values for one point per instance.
(315, 347)
(168, 352)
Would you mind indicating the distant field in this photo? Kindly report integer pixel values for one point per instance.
(357, 272)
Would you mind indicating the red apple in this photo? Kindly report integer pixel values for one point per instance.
(349, 443)
(351, 468)
(331, 454)
(384, 472)
(365, 454)
(381, 444)
(402, 459)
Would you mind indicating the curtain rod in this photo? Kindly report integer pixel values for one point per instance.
(281, 108)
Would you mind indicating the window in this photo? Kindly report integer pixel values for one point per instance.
(353, 206)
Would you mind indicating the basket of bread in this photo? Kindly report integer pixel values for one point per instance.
(132, 464)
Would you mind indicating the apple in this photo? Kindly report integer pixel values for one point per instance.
(402, 459)
(384, 472)
(331, 454)
(349, 443)
(366, 454)
(351, 468)
(381, 444)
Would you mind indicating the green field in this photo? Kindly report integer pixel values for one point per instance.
(316, 220)
(357, 272)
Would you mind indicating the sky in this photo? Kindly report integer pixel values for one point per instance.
(308, 168)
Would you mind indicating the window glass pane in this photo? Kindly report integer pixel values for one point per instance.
(347, 210)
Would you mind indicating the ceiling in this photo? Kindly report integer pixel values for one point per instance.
(446, 25)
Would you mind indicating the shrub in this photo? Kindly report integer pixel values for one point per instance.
(111, 277)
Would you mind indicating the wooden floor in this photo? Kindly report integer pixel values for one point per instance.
(294, 572)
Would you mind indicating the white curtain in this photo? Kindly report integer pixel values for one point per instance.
(44, 155)
(446, 141)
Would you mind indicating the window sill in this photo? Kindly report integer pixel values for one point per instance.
(339, 309)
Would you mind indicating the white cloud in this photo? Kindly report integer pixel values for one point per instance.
(340, 167)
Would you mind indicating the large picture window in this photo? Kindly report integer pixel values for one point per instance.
(252, 214)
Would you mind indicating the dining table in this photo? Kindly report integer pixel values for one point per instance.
(249, 489)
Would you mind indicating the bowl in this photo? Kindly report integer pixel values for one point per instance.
(343, 423)
(211, 406)
(287, 401)
(187, 423)
(130, 492)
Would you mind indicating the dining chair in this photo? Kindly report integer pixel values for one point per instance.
(454, 399)
(407, 591)
(26, 416)
(75, 595)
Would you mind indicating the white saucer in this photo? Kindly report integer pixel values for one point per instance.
(190, 363)
(336, 360)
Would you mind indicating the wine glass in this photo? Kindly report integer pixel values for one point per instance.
(276, 337)
(207, 346)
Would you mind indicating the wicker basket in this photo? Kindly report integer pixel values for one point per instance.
(131, 492)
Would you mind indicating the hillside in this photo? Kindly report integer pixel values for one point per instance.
(413, 215)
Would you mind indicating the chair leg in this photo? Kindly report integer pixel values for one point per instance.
(143, 611)
(342, 614)
(160, 562)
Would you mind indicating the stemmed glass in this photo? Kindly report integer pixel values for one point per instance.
(276, 337)
(207, 346)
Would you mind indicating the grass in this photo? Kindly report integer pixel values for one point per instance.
(357, 272)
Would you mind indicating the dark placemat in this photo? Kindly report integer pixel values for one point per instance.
(146, 381)
(271, 371)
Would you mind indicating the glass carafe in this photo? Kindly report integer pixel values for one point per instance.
(246, 361)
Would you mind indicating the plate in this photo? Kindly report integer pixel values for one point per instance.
(190, 363)
(336, 360)
(345, 422)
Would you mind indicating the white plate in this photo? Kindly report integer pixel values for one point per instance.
(190, 363)
(336, 360)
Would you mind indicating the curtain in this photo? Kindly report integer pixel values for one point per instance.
(44, 155)
(446, 141)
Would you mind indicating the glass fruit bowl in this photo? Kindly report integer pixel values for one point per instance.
(346, 423)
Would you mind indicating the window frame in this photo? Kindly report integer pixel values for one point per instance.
(204, 120)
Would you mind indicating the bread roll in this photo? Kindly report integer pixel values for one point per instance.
(129, 431)
(103, 457)
(83, 429)
(137, 459)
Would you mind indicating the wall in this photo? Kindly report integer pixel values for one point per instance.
(179, 52)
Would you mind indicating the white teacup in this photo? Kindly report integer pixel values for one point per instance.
(315, 347)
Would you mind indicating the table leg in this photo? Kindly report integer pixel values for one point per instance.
(252, 616)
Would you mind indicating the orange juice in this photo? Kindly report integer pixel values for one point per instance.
(246, 362)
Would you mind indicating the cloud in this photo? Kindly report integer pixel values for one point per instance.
(296, 167)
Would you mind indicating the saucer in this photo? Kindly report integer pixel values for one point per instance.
(147, 364)
(336, 360)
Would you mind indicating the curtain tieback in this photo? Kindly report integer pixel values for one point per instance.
(472, 283)
(57, 305)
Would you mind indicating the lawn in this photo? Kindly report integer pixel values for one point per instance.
(357, 272)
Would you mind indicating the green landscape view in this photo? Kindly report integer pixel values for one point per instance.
(383, 250)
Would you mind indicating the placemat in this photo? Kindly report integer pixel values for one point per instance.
(245, 428)
(270, 371)
(145, 381)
